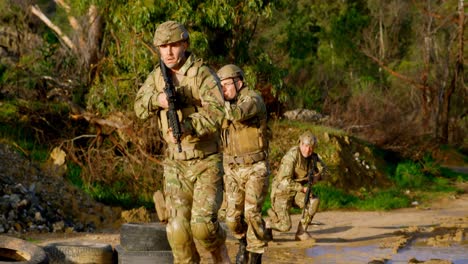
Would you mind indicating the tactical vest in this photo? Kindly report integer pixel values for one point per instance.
(302, 167)
(245, 142)
(193, 147)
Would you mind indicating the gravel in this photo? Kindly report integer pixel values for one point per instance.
(32, 200)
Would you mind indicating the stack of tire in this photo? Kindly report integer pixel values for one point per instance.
(15, 250)
(79, 252)
(144, 243)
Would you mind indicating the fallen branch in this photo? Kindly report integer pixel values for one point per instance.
(395, 73)
(37, 12)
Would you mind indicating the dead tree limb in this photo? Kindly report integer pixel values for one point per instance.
(37, 12)
(395, 73)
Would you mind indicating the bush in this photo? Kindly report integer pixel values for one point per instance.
(409, 175)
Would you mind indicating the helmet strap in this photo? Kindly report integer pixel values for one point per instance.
(235, 81)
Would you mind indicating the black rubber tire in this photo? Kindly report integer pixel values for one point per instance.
(143, 257)
(144, 237)
(18, 251)
(79, 252)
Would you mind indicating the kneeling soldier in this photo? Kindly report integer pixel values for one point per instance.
(291, 185)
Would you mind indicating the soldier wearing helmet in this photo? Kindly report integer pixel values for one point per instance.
(245, 159)
(290, 185)
(193, 175)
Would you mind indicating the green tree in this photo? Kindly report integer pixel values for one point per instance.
(220, 31)
(111, 40)
(430, 61)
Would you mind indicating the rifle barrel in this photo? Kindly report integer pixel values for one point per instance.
(172, 117)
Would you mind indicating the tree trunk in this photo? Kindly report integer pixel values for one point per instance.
(86, 46)
(457, 81)
(94, 39)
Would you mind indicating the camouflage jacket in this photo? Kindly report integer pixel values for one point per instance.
(200, 111)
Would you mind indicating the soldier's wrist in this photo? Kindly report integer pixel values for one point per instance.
(154, 100)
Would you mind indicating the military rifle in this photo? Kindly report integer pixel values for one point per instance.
(172, 117)
(310, 179)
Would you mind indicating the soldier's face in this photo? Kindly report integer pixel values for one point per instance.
(306, 150)
(229, 88)
(173, 54)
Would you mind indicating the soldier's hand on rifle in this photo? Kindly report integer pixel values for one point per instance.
(162, 101)
(304, 189)
(317, 177)
(171, 135)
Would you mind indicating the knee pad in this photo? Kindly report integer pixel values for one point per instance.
(203, 231)
(178, 231)
(282, 227)
(313, 207)
(233, 226)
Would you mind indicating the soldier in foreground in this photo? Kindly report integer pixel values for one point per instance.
(185, 96)
(245, 150)
(298, 171)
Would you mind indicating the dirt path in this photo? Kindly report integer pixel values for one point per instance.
(368, 232)
(348, 236)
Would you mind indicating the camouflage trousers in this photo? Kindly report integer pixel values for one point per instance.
(246, 188)
(193, 191)
(281, 203)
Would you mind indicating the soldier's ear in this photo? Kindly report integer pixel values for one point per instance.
(241, 84)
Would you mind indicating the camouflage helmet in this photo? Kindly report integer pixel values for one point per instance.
(170, 32)
(308, 138)
(230, 71)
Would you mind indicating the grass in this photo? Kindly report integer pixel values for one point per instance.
(384, 200)
(20, 138)
(16, 127)
(8, 111)
(115, 194)
(286, 134)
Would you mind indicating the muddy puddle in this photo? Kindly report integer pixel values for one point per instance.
(457, 254)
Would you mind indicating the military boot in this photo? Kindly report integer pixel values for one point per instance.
(268, 234)
(255, 258)
(301, 233)
(220, 255)
(242, 255)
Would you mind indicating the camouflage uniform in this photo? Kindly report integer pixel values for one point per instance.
(287, 188)
(245, 150)
(193, 177)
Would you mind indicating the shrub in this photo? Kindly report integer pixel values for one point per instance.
(409, 175)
